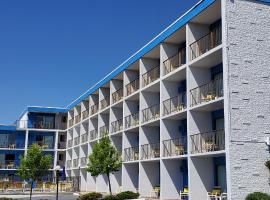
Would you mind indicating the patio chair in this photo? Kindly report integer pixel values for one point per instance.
(179, 149)
(184, 194)
(155, 191)
(215, 194)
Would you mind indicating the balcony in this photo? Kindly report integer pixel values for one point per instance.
(93, 134)
(133, 86)
(85, 114)
(208, 142)
(104, 103)
(151, 75)
(206, 43)
(132, 120)
(75, 162)
(76, 140)
(41, 144)
(77, 118)
(207, 92)
(70, 143)
(71, 122)
(117, 126)
(10, 144)
(150, 151)
(94, 109)
(104, 131)
(83, 161)
(69, 164)
(174, 104)
(84, 138)
(151, 113)
(8, 164)
(117, 95)
(131, 154)
(175, 147)
(175, 61)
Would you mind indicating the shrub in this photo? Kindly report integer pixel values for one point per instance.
(90, 196)
(258, 196)
(128, 195)
(5, 198)
(111, 197)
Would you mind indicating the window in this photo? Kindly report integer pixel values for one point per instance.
(64, 119)
(62, 138)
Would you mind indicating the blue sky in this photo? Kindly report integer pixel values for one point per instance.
(52, 51)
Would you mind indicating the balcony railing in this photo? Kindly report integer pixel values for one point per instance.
(133, 86)
(77, 118)
(117, 95)
(131, 154)
(208, 142)
(42, 145)
(69, 164)
(117, 126)
(151, 75)
(206, 43)
(132, 120)
(76, 162)
(94, 109)
(85, 114)
(84, 138)
(151, 113)
(8, 164)
(207, 92)
(175, 61)
(175, 104)
(76, 140)
(83, 161)
(11, 145)
(71, 122)
(104, 103)
(62, 145)
(104, 131)
(38, 124)
(175, 147)
(150, 151)
(70, 143)
(93, 134)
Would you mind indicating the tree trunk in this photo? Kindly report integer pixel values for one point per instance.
(31, 190)
(110, 188)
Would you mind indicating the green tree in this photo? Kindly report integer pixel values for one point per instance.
(104, 159)
(34, 166)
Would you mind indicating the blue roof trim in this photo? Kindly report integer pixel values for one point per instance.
(170, 30)
(266, 1)
(46, 109)
(8, 127)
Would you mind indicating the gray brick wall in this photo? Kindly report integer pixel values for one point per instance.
(247, 28)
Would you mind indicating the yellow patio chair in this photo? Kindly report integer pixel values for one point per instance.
(184, 193)
(215, 194)
(155, 191)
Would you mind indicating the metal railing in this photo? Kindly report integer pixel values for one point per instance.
(150, 76)
(117, 125)
(83, 161)
(93, 134)
(69, 164)
(151, 113)
(175, 147)
(8, 164)
(94, 109)
(150, 151)
(70, 143)
(85, 114)
(117, 95)
(77, 118)
(11, 145)
(38, 124)
(41, 144)
(175, 61)
(62, 145)
(131, 153)
(104, 103)
(76, 140)
(207, 92)
(104, 131)
(208, 142)
(133, 86)
(174, 104)
(76, 162)
(84, 138)
(71, 122)
(206, 43)
(132, 120)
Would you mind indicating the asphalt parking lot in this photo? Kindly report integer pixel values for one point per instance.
(40, 196)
